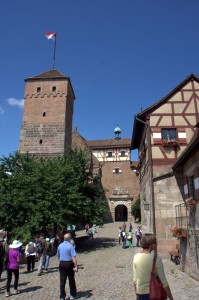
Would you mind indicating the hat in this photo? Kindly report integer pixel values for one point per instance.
(15, 244)
(47, 240)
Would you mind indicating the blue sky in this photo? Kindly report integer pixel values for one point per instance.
(121, 56)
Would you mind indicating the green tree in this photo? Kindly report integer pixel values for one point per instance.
(38, 195)
(136, 211)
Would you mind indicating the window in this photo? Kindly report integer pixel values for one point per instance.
(123, 154)
(54, 88)
(40, 142)
(38, 89)
(191, 187)
(44, 114)
(117, 170)
(110, 154)
(168, 134)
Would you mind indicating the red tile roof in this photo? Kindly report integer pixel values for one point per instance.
(109, 143)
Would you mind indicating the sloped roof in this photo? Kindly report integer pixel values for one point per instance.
(109, 143)
(51, 74)
(79, 141)
(139, 127)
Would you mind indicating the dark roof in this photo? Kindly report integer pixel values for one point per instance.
(139, 127)
(51, 74)
(109, 143)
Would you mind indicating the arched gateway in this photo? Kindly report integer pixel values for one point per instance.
(121, 213)
(120, 205)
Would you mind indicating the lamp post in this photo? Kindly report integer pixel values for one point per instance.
(151, 172)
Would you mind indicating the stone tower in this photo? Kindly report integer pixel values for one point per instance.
(48, 113)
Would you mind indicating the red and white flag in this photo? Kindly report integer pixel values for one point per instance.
(51, 35)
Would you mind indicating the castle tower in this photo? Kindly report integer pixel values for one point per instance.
(48, 113)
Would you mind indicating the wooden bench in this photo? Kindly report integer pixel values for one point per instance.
(175, 255)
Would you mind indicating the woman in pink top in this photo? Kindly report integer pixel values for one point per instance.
(13, 267)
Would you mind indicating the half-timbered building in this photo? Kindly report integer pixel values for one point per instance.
(161, 133)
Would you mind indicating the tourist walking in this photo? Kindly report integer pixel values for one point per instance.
(124, 227)
(40, 248)
(142, 267)
(138, 234)
(119, 236)
(47, 254)
(13, 267)
(67, 266)
(30, 252)
(123, 238)
(87, 228)
(130, 239)
(130, 227)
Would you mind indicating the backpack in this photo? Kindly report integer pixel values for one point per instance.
(48, 247)
(2, 250)
(39, 248)
(121, 235)
(31, 248)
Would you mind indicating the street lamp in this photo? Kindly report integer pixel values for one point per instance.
(151, 171)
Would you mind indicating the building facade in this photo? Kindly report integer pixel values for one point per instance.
(48, 113)
(161, 133)
(118, 176)
(187, 213)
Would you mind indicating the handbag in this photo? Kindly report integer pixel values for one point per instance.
(156, 289)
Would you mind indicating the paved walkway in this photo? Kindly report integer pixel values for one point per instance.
(105, 272)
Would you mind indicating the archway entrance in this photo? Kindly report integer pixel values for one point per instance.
(121, 213)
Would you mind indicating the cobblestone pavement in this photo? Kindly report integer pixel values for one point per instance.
(105, 272)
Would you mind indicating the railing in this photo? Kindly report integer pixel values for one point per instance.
(186, 218)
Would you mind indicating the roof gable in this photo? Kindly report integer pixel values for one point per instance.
(139, 127)
(169, 95)
(51, 74)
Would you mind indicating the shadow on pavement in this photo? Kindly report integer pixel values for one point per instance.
(31, 289)
(84, 294)
(94, 244)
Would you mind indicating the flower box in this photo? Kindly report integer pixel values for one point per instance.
(178, 232)
(141, 154)
(191, 202)
(170, 143)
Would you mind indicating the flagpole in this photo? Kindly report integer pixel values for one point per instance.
(54, 51)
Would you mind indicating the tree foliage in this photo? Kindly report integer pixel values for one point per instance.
(136, 211)
(38, 195)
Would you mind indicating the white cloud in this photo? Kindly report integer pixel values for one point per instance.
(1, 111)
(16, 102)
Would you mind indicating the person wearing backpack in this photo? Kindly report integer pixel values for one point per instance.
(47, 254)
(2, 255)
(40, 248)
(30, 252)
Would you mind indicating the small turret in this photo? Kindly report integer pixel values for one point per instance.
(117, 132)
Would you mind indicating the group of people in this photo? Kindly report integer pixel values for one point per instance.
(90, 230)
(143, 261)
(126, 235)
(42, 249)
(66, 253)
(10, 258)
